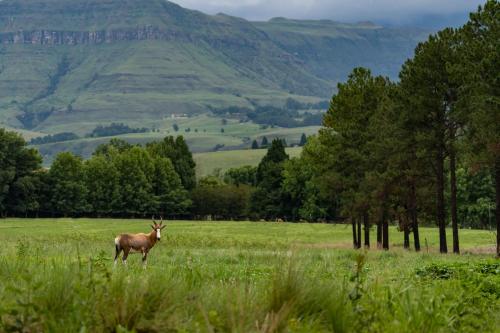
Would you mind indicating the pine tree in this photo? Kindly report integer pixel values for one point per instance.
(303, 140)
(432, 90)
(479, 98)
(349, 116)
(268, 200)
(255, 145)
(264, 142)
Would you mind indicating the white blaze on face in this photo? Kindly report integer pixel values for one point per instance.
(158, 235)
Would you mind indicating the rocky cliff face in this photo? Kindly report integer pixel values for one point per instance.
(51, 37)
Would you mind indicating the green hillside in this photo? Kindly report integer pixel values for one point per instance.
(207, 163)
(90, 62)
(80, 63)
(72, 65)
(329, 50)
(202, 133)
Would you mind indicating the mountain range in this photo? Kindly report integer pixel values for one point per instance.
(70, 65)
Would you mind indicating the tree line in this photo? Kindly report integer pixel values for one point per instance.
(287, 116)
(99, 131)
(120, 179)
(391, 151)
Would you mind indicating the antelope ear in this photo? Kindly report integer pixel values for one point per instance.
(153, 227)
(163, 227)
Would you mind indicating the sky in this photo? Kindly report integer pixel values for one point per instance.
(428, 13)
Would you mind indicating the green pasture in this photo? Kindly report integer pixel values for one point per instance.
(208, 163)
(58, 276)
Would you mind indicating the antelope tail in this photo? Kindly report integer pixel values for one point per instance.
(117, 243)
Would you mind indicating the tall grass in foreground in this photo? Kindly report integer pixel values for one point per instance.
(68, 294)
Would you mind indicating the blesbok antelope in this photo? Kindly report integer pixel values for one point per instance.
(143, 243)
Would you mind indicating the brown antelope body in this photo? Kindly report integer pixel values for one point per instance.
(138, 243)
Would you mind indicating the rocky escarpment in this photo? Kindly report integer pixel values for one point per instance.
(47, 37)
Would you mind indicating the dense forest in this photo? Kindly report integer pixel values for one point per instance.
(423, 150)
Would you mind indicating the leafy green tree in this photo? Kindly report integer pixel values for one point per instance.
(102, 182)
(113, 146)
(177, 151)
(246, 175)
(67, 183)
(476, 198)
(170, 195)
(175, 127)
(17, 167)
(298, 184)
(268, 200)
(218, 200)
(24, 194)
(136, 170)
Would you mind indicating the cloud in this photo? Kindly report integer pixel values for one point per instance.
(389, 11)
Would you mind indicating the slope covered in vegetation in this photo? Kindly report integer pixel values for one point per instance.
(92, 62)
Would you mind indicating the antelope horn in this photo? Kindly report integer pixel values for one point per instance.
(161, 220)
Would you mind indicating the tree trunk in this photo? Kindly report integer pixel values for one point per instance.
(366, 223)
(441, 218)
(359, 233)
(406, 231)
(416, 235)
(354, 236)
(379, 232)
(497, 194)
(453, 193)
(385, 231)
(413, 216)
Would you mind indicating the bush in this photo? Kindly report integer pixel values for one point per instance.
(115, 129)
(59, 137)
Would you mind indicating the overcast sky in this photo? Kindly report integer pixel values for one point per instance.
(434, 13)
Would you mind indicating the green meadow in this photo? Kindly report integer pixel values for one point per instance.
(208, 163)
(57, 275)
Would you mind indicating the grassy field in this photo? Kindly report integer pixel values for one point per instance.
(207, 163)
(58, 276)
